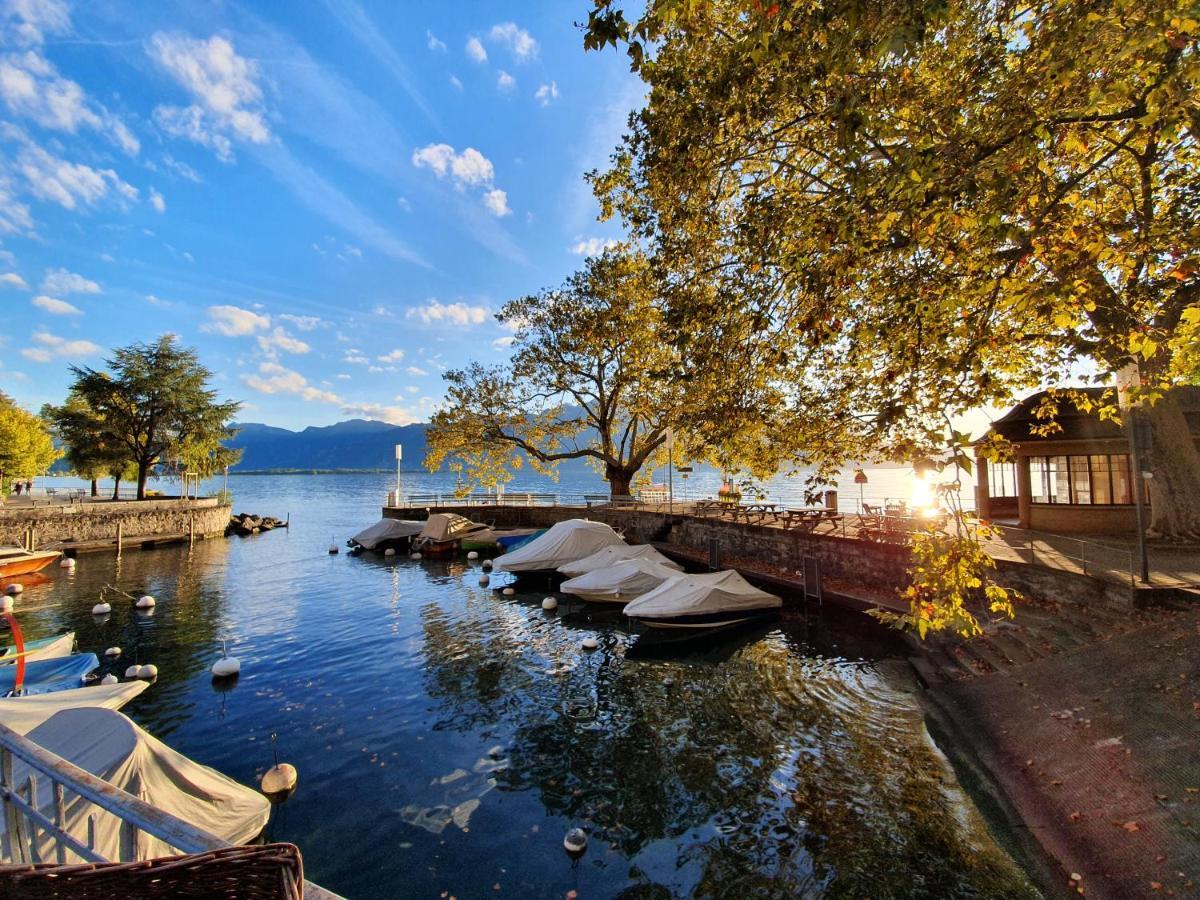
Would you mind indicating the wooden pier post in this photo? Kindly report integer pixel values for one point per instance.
(191, 531)
(120, 535)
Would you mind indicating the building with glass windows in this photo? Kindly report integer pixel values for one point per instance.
(1072, 470)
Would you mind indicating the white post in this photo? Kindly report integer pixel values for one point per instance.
(671, 470)
(399, 456)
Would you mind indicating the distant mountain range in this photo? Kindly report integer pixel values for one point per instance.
(354, 444)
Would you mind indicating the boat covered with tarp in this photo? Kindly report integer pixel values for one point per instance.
(619, 583)
(563, 543)
(45, 676)
(23, 714)
(385, 534)
(610, 556)
(42, 648)
(445, 533)
(111, 747)
(702, 601)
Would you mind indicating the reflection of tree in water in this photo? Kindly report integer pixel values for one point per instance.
(766, 775)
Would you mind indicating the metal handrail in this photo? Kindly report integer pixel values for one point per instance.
(23, 818)
(1027, 543)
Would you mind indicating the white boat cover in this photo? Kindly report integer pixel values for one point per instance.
(23, 714)
(441, 527)
(111, 747)
(698, 595)
(46, 648)
(562, 543)
(621, 582)
(387, 530)
(610, 556)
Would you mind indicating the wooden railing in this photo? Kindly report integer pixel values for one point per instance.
(25, 822)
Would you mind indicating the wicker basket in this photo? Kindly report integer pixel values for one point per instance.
(245, 873)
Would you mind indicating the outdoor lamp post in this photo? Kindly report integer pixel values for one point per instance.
(860, 478)
(399, 456)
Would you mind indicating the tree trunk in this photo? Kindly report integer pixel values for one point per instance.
(116, 487)
(1175, 462)
(95, 487)
(143, 474)
(619, 479)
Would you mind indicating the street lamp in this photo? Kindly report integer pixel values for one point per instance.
(399, 456)
(860, 478)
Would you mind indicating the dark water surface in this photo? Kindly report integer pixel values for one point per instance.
(447, 738)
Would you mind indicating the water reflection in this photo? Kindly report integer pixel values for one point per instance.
(448, 737)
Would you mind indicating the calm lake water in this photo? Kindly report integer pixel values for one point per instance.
(447, 738)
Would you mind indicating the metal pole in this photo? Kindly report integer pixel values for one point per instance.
(1138, 484)
(671, 471)
(399, 454)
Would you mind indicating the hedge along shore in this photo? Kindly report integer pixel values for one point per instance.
(96, 525)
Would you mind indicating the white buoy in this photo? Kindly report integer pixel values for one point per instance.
(390, 551)
(279, 779)
(6, 603)
(589, 643)
(483, 580)
(415, 556)
(474, 554)
(333, 550)
(148, 672)
(15, 588)
(487, 563)
(102, 609)
(67, 563)
(110, 678)
(549, 604)
(227, 666)
(113, 651)
(132, 671)
(508, 592)
(145, 601)
(575, 841)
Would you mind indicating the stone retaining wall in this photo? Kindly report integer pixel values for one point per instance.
(99, 521)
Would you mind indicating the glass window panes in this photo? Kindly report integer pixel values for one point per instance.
(1081, 482)
(1100, 479)
(1120, 479)
(1101, 484)
(1038, 480)
(1060, 481)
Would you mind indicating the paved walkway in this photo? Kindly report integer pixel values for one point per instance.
(1089, 721)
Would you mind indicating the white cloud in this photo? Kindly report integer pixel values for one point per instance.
(233, 321)
(516, 39)
(342, 376)
(394, 357)
(475, 51)
(157, 201)
(592, 246)
(502, 343)
(431, 41)
(273, 378)
(52, 178)
(56, 307)
(455, 83)
(223, 85)
(51, 346)
(13, 280)
(547, 93)
(393, 415)
(31, 20)
(60, 281)
(456, 313)
(467, 168)
(505, 83)
(355, 357)
(496, 202)
(182, 169)
(404, 204)
(416, 370)
(14, 216)
(280, 340)
(304, 323)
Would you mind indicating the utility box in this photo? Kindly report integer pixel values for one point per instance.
(831, 500)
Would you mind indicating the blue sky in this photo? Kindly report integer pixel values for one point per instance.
(328, 199)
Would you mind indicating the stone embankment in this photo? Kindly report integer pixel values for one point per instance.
(99, 524)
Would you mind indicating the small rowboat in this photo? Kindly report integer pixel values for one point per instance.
(18, 561)
(46, 676)
(43, 648)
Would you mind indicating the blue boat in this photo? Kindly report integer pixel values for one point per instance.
(510, 542)
(45, 676)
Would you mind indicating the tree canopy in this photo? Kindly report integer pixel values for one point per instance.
(90, 449)
(154, 403)
(26, 448)
(587, 380)
(887, 213)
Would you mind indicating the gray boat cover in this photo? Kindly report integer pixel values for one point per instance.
(562, 543)
(23, 714)
(387, 530)
(441, 527)
(109, 746)
(698, 595)
(610, 556)
(622, 582)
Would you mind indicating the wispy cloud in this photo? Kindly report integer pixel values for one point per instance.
(592, 246)
(13, 280)
(467, 169)
(60, 281)
(272, 378)
(51, 346)
(55, 306)
(505, 83)
(234, 321)
(432, 42)
(547, 93)
(455, 313)
(519, 41)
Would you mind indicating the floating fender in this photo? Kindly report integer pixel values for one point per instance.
(549, 604)
(132, 671)
(148, 672)
(415, 556)
(226, 667)
(6, 603)
(110, 678)
(280, 779)
(15, 588)
(575, 842)
(508, 592)
(474, 554)
(390, 551)
(487, 563)
(113, 651)
(66, 563)
(483, 580)
(145, 601)
(589, 643)
(101, 609)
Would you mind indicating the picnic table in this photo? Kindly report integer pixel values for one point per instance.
(808, 519)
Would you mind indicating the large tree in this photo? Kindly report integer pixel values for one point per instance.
(90, 449)
(154, 401)
(586, 380)
(890, 212)
(26, 448)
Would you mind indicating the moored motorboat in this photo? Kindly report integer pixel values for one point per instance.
(617, 553)
(702, 601)
(386, 534)
(46, 676)
(620, 583)
(444, 533)
(564, 542)
(43, 648)
(19, 561)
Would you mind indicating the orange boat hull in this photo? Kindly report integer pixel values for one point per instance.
(26, 565)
